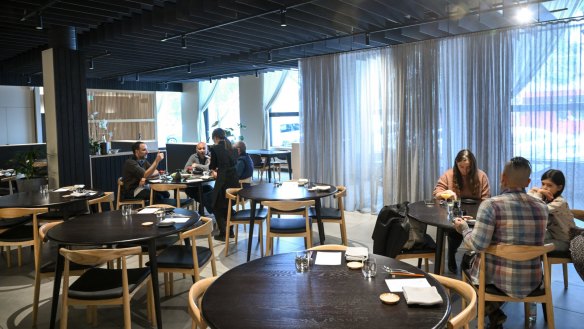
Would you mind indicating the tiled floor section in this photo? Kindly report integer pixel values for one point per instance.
(16, 289)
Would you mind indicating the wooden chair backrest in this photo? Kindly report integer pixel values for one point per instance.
(578, 214)
(161, 205)
(329, 247)
(289, 205)
(196, 293)
(98, 256)
(519, 252)
(466, 292)
(46, 227)
(107, 197)
(205, 229)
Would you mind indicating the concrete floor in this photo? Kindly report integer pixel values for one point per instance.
(16, 287)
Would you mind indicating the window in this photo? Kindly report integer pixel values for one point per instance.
(169, 117)
(284, 124)
(223, 109)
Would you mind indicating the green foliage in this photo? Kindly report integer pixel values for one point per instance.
(93, 146)
(229, 131)
(24, 163)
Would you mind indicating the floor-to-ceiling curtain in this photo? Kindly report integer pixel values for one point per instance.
(206, 94)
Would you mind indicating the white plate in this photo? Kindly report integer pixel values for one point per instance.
(323, 188)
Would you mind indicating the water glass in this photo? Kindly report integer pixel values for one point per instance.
(159, 216)
(302, 260)
(44, 189)
(369, 268)
(126, 210)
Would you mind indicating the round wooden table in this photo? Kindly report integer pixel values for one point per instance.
(284, 192)
(110, 228)
(269, 154)
(193, 181)
(436, 214)
(269, 293)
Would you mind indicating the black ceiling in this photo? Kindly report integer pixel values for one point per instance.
(141, 39)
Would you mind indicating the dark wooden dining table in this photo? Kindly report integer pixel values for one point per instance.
(436, 214)
(269, 154)
(269, 293)
(111, 228)
(193, 181)
(284, 192)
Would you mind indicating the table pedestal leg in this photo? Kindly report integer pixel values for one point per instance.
(439, 250)
(201, 205)
(252, 213)
(319, 221)
(154, 278)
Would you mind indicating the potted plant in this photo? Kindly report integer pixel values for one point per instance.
(229, 131)
(31, 176)
(93, 146)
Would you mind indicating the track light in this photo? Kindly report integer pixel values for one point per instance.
(189, 68)
(137, 76)
(165, 37)
(210, 80)
(283, 17)
(269, 56)
(122, 80)
(29, 80)
(166, 85)
(39, 25)
(367, 39)
(183, 42)
(257, 74)
(91, 63)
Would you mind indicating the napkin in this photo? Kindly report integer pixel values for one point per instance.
(328, 258)
(148, 210)
(62, 189)
(422, 295)
(397, 285)
(155, 180)
(356, 253)
(193, 180)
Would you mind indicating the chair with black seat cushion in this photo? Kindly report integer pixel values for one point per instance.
(20, 230)
(242, 216)
(177, 201)
(196, 293)
(108, 197)
(488, 292)
(188, 259)
(298, 225)
(334, 215)
(120, 200)
(101, 286)
(260, 165)
(564, 257)
(468, 301)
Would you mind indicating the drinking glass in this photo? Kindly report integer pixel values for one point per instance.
(302, 259)
(369, 268)
(126, 210)
(159, 216)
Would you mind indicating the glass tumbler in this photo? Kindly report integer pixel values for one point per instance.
(301, 261)
(369, 268)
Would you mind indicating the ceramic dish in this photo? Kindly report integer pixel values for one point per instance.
(354, 265)
(389, 298)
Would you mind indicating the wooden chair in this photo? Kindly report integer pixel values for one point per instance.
(329, 247)
(468, 300)
(280, 162)
(564, 257)
(334, 215)
(120, 201)
(196, 293)
(514, 253)
(20, 234)
(426, 255)
(245, 181)
(108, 197)
(260, 165)
(100, 286)
(188, 259)
(177, 201)
(286, 226)
(242, 216)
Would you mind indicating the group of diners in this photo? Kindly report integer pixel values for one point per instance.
(516, 216)
(228, 165)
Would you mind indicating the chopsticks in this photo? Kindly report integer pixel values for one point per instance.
(406, 274)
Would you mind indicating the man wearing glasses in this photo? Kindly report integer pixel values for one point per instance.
(510, 218)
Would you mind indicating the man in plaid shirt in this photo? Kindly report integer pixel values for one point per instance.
(510, 218)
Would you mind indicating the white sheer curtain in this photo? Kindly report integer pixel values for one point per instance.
(273, 82)
(206, 94)
(388, 122)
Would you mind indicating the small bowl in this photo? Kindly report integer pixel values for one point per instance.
(114, 151)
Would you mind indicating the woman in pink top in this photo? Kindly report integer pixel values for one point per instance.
(463, 180)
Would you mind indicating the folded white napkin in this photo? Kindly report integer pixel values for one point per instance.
(356, 253)
(422, 295)
(148, 211)
(193, 180)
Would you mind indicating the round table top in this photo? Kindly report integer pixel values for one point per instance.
(111, 227)
(285, 191)
(192, 180)
(269, 293)
(436, 214)
(38, 200)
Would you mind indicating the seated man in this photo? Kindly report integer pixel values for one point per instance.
(135, 172)
(510, 218)
(197, 164)
(244, 166)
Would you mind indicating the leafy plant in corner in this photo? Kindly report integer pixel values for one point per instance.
(24, 163)
(93, 146)
(229, 131)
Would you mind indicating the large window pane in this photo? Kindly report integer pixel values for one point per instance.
(284, 120)
(168, 117)
(223, 108)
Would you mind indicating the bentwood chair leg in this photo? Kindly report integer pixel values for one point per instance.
(19, 253)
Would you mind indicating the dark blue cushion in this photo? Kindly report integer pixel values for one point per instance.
(288, 225)
(326, 213)
(244, 215)
(182, 257)
(100, 283)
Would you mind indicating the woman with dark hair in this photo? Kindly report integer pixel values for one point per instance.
(560, 219)
(463, 180)
(222, 166)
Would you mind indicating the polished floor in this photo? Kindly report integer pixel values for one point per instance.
(16, 288)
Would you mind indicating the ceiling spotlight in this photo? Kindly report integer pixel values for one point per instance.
(29, 80)
(122, 80)
(91, 63)
(210, 80)
(137, 76)
(166, 85)
(367, 39)
(269, 56)
(165, 37)
(283, 17)
(183, 42)
(39, 25)
(524, 15)
(257, 74)
(189, 68)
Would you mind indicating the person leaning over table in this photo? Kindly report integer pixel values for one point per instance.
(561, 219)
(463, 180)
(223, 160)
(514, 218)
(135, 172)
(197, 164)
(244, 166)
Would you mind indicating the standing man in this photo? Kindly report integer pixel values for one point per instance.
(244, 166)
(510, 218)
(135, 172)
(199, 161)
